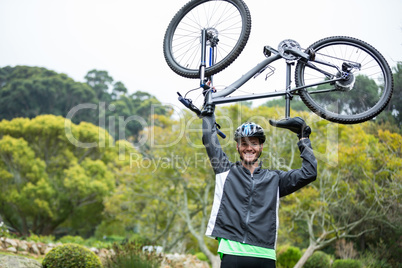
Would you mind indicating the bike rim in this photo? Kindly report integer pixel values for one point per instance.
(368, 95)
(221, 17)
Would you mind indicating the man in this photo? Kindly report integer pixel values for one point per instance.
(244, 216)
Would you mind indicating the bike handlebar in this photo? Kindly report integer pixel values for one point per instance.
(189, 104)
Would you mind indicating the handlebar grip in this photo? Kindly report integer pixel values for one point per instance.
(184, 101)
(189, 104)
(220, 133)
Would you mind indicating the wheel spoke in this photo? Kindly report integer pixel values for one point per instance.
(355, 100)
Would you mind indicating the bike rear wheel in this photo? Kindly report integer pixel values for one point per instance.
(228, 20)
(351, 102)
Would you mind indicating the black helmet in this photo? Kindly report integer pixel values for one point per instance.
(249, 129)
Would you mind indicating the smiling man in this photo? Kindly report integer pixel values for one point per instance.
(244, 216)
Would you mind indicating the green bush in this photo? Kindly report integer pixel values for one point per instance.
(371, 260)
(131, 255)
(40, 238)
(72, 240)
(93, 242)
(71, 256)
(201, 256)
(289, 257)
(318, 260)
(347, 264)
(3, 230)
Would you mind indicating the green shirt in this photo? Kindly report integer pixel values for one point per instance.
(236, 248)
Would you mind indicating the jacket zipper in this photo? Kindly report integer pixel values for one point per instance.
(249, 208)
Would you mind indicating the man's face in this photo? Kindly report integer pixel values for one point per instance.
(249, 149)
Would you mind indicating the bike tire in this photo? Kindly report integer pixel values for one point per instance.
(182, 47)
(370, 93)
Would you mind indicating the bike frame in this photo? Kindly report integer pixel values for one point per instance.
(273, 55)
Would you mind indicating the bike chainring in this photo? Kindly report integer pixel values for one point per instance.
(286, 44)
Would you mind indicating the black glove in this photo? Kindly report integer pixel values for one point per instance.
(295, 124)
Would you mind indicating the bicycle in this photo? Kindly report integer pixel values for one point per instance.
(342, 79)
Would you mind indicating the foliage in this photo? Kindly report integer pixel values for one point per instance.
(372, 260)
(52, 177)
(164, 189)
(47, 239)
(289, 257)
(296, 103)
(71, 256)
(169, 184)
(3, 230)
(71, 239)
(345, 250)
(31, 91)
(364, 95)
(347, 264)
(362, 186)
(131, 255)
(201, 256)
(318, 260)
(395, 106)
(383, 254)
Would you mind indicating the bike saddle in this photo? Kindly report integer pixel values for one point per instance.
(294, 124)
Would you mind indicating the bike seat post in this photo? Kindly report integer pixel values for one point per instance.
(288, 95)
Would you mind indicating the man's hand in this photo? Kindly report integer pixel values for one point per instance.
(295, 124)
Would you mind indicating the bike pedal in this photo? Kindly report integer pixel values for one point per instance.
(267, 51)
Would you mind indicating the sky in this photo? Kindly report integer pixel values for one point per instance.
(124, 37)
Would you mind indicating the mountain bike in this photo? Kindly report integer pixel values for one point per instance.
(342, 79)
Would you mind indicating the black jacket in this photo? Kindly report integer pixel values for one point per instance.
(245, 207)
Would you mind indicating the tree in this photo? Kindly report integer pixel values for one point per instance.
(118, 89)
(364, 95)
(132, 113)
(32, 91)
(346, 199)
(55, 173)
(100, 81)
(296, 103)
(395, 106)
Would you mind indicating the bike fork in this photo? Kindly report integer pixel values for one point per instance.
(203, 56)
(206, 82)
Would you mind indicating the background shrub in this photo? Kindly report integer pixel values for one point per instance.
(288, 257)
(71, 256)
(371, 260)
(3, 230)
(72, 239)
(319, 259)
(201, 256)
(131, 255)
(40, 238)
(347, 264)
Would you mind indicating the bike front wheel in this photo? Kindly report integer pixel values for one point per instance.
(227, 21)
(363, 96)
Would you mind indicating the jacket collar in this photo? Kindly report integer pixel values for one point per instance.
(256, 171)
